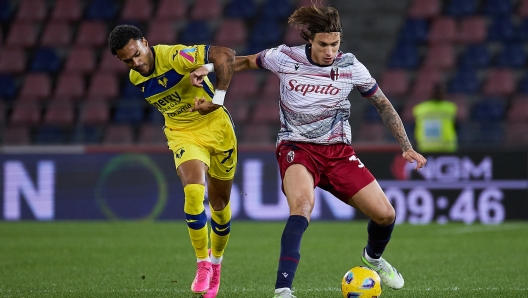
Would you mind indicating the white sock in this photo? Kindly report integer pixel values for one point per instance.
(216, 260)
(203, 260)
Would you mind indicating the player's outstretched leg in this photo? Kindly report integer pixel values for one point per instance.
(289, 254)
(220, 231)
(379, 236)
(197, 225)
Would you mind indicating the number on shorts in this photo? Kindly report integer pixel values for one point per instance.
(229, 153)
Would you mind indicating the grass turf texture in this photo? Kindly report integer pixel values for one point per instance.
(155, 259)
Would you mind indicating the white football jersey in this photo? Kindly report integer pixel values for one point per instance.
(314, 105)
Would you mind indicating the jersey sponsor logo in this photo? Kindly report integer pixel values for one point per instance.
(188, 54)
(179, 153)
(181, 110)
(309, 88)
(290, 156)
(334, 74)
(163, 81)
(167, 102)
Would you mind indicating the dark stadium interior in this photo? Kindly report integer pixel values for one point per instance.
(60, 85)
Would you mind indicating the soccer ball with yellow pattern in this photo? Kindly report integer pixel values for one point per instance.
(361, 282)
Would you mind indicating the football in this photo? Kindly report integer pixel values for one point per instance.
(361, 282)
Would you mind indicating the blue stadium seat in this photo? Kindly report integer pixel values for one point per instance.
(154, 116)
(51, 135)
(462, 8)
(129, 91)
(522, 87)
(8, 88)
(476, 56)
(6, 11)
(129, 112)
(102, 10)
(244, 9)
(414, 31)
(371, 115)
(405, 57)
(46, 59)
(276, 9)
(265, 34)
(512, 56)
(502, 29)
(464, 81)
(498, 8)
(87, 135)
(488, 110)
(196, 32)
(523, 30)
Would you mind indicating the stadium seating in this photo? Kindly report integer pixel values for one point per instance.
(59, 113)
(16, 136)
(80, 59)
(70, 85)
(258, 134)
(370, 133)
(275, 9)
(51, 135)
(36, 87)
(518, 110)
(443, 30)
(25, 114)
(405, 57)
(516, 136)
(462, 8)
(103, 85)
(502, 29)
(472, 30)
(464, 81)
(171, 10)
(45, 59)
(293, 37)
(66, 10)
(243, 9)
(267, 111)
(22, 34)
(476, 56)
(440, 56)
(111, 64)
(231, 33)
(512, 55)
(522, 10)
(102, 10)
(12, 60)
(6, 10)
(94, 113)
(394, 82)
(31, 10)
(422, 9)
(121, 134)
(136, 10)
(414, 31)
(92, 33)
(129, 112)
(498, 7)
(500, 82)
(151, 134)
(56, 34)
(161, 32)
(8, 88)
(244, 85)
(206, 10)
(87, 135)
(196, 32)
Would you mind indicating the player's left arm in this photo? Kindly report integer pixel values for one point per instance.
(393, 122)
(223, 60)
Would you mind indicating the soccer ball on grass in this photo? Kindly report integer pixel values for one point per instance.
(361, 282)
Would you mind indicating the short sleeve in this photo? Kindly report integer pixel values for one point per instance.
(188, 58)
(363, 81)
(270, 58)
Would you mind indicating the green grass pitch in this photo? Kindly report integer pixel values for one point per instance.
(155, 259)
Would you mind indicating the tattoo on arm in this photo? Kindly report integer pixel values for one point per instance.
(390, 118)
(223, 59)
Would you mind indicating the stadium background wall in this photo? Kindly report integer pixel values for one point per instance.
(104, 183)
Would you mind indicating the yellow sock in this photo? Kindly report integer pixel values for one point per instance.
(220, 230)
(196, 218)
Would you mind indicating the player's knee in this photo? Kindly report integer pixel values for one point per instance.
(194, 196)
(386, 217)
(301, 205)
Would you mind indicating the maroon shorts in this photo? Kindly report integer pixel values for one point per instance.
(335, 168)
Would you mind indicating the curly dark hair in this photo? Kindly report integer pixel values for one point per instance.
(315, 19)
(121, 35)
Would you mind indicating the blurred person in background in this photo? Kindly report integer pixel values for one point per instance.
(204, 145)
(435, 129)
(314, 142)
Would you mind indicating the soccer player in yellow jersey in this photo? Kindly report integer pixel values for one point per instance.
(203, 143)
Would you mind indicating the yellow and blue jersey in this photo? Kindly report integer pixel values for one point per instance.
(168, 86)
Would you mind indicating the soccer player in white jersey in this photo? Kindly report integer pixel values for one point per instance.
(314, 142)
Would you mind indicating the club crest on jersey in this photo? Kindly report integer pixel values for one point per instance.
(163, 81)
(334, 73)
(290, 156)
